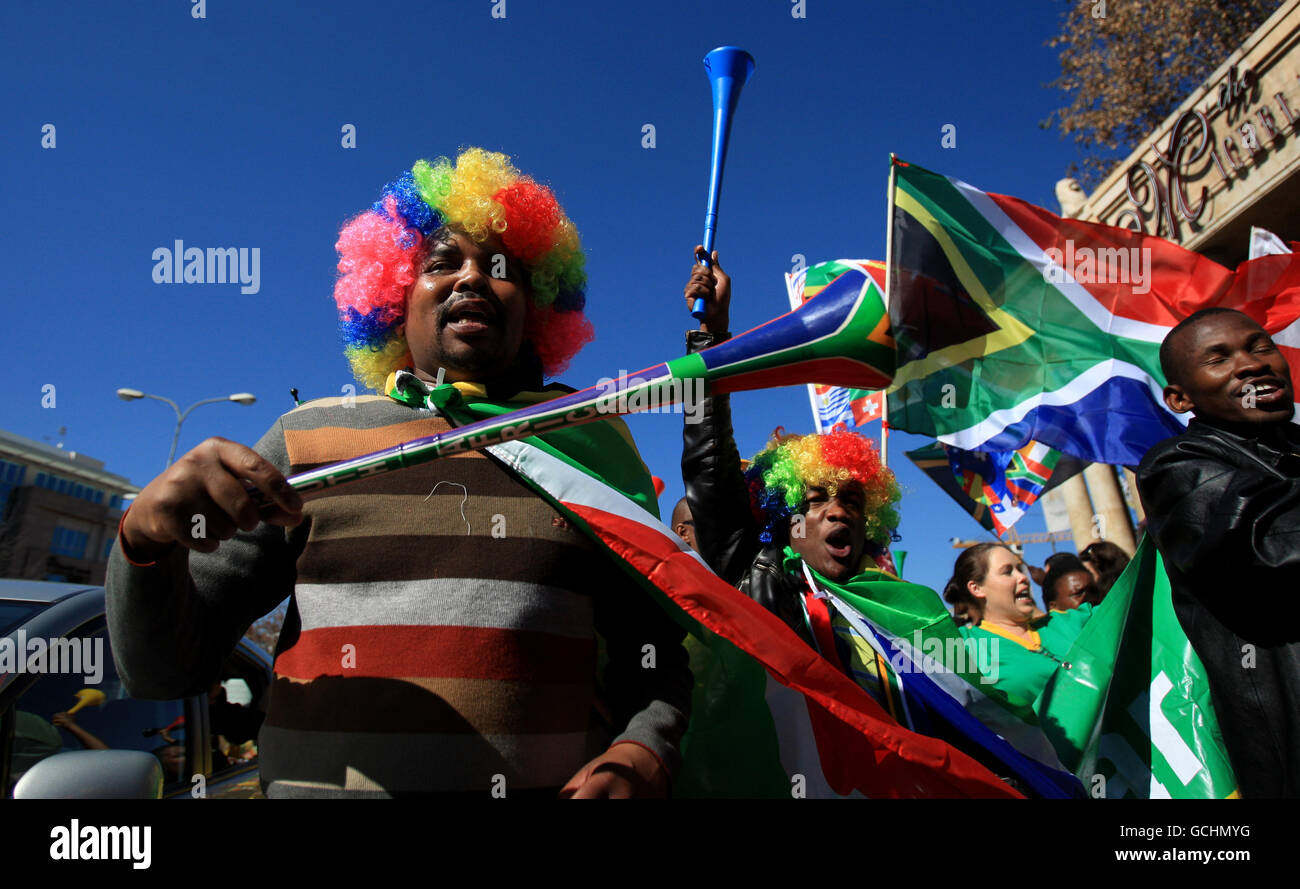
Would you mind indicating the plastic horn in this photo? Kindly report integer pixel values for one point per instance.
(840, 337)
(87, 697)
(728, 67)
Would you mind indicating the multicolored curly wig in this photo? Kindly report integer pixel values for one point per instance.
(481, 194)
(780, 475)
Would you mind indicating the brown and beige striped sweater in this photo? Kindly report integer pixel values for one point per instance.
(442, 631)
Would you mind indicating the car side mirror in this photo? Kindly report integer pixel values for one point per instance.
(93, 774)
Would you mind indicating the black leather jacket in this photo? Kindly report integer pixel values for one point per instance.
(1223, 507)
(726, 532)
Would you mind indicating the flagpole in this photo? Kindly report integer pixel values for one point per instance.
(796, 300)
(817, 414)
(889, 263)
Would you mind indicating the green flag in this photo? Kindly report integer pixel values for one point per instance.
(1132, 717)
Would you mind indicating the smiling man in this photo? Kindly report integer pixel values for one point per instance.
(1223, 507)
(442, 632)
(823, 500)
(466, 311)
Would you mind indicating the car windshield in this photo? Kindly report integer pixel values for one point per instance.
(14, 613)
(83, 705)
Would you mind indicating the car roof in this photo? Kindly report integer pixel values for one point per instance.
(42, 591)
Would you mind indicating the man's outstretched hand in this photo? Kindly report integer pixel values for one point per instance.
(624, 771)
(206, 482)
(713, 285)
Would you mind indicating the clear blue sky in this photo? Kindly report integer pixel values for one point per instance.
(225, 131)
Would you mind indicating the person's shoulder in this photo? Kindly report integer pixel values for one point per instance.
(1198, 444)
(345, 401)
(1162, 450)
(1074, 617)
(318, 411)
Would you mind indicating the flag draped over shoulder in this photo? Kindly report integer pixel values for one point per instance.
(898, 642)
(837, 405)
(995, 489)
(1014, 325)
(771, 717)
(828, 736)
(1133, 716)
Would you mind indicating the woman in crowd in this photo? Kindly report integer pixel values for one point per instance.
(1025, 651)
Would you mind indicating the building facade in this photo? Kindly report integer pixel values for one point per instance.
(59, 512)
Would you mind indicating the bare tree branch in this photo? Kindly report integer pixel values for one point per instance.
(1126, 64)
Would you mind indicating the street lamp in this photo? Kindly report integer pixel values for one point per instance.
(133, 394)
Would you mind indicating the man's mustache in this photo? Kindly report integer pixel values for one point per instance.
(492, 311)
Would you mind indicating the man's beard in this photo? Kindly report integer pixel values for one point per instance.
(480, 363)
(523, 371)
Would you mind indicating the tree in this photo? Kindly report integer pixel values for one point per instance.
(1127, 64)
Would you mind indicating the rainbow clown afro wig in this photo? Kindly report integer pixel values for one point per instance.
(481, 194)
(780, 475)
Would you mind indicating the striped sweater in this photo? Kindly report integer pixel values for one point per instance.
(442, 631)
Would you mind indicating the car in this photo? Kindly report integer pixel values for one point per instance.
(68, 728)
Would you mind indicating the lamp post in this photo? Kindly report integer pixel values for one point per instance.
(133, 394)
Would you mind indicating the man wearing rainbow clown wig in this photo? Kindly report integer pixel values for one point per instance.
(819, 502)
(442, 631)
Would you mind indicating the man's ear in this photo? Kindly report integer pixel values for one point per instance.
(1177, 398)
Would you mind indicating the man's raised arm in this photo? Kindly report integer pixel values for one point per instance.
(725, 533)
(195, 564)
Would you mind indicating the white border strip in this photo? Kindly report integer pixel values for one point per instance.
(570, 485)
(972, 437)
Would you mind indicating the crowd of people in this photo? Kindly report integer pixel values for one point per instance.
(415, 661)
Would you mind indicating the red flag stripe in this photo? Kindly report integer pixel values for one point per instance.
(1181, 281)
